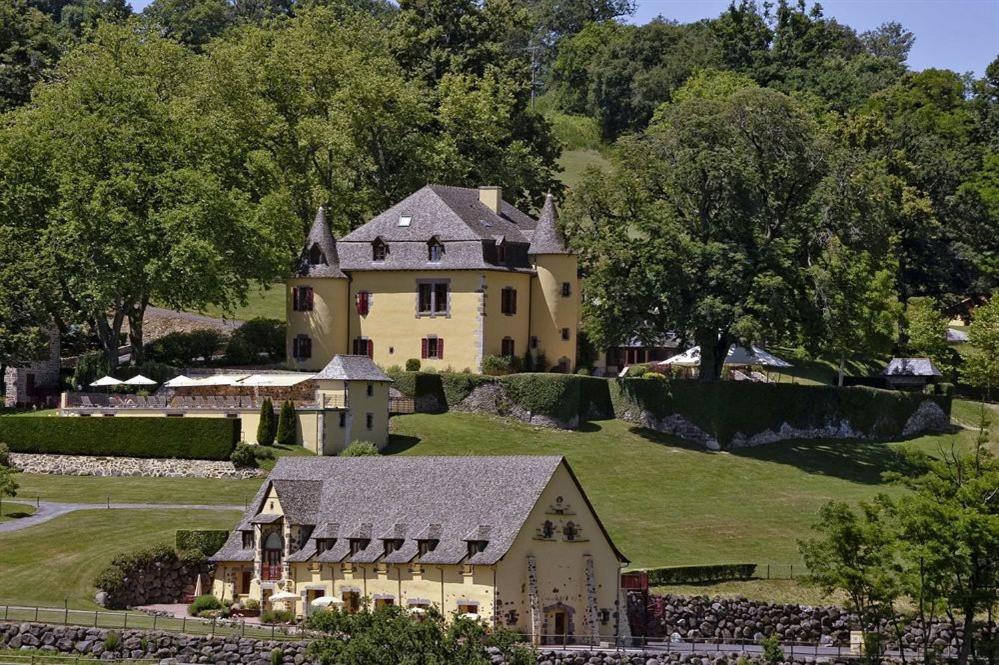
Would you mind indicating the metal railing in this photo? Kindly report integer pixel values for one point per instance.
(144, 621)
(65, 659)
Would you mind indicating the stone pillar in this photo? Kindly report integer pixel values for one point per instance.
(590, 620)
(258, 552)
(533, 600)
(285, 565)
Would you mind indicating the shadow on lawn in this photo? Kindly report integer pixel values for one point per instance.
(399, 443)
(856, 461)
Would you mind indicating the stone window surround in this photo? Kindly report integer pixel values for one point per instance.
(432, 314)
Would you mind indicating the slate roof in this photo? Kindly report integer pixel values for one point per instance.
(547, 238)
(320, 235)
(232, 549)
(911, 367)
(352, 368)
(449, 499)
(468, 229)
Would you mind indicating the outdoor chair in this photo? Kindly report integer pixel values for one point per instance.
(87, 403)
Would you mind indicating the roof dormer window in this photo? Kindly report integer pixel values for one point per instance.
(316, 256)
(435, 251)
(405, 220)
(379, 250)
(392, 545)
(427, 546)
(358, 545)
(476, 546)
(325, 544)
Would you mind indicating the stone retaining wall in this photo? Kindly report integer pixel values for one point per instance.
(147, 578)
(80, 465)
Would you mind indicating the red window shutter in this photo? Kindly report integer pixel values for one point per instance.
(371, 349)
(423, 347)
(362, 303)
(310, 295)
(294, 298)
(440, 348)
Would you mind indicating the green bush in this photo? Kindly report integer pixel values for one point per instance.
(112, 641)
(251, 604)
(772, 651)
(458, 386)
(413, 365)
(267, 428)
(499, 365)
(182, 348)
(262, 453)
(205, 541)
(575, 132)
(4, 455)
(260, 337)
(183, 438)
(277, 656)
(286, 427)
(726, 408)
(127, 565)
(553, 395)
(90, 367)
(203, 604)
(360, 449)
(243, 457)
(277, 616)
(701, 574)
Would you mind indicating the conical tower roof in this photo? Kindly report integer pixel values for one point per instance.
(547, 238)
(319, 257)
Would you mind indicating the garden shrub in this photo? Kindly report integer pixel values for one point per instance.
(458, 386)
(90, 367)
(112, 641)
(277, 616)
(286, 427)
(203, 604)
(260, 337)
(277, 656)
(360, 449)
(726, 408)
(243, 457)
(182, 348)
(205, 541)
(499, 365)
(700, 574)
(413, 365)
(4, 455)
(182, 438)
(420, 386)
(553, 395)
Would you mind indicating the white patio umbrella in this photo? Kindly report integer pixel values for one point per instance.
(197, 587)
(284, 596)
(139, 380)
(754, 355)
(105, 382)
(326, 601)
(178, 382)
(417, 610)
(689, 358)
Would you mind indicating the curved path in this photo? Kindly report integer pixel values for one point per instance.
(47, 510)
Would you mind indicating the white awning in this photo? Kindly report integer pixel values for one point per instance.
(139, 380)
(105, 381)
(737, 355)
(326, 601)
(283, 596)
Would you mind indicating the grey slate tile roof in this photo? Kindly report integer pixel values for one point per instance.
(321, 236)
(352, 368)
(467, 228)
(911, 367)
(547, 238)
(232, 549)
(447, 498)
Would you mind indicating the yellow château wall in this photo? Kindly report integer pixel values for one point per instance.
(499, 325)
(326, 324)
(551, 311)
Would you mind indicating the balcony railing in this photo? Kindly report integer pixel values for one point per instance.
(271, 571)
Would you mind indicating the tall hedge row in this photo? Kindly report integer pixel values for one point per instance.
(206, 541)
(725, 408)
(183, 438)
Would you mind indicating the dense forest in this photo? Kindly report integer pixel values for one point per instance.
(767, 175)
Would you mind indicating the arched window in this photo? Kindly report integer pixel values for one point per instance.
(379, 250)
(435, 251)
(570, 531)
(274, 541)
(316, 256)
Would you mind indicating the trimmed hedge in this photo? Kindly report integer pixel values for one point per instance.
(725, 408)
(183, 438)
(553, 395)
(205, 541)
(700, 574)
(457, 387)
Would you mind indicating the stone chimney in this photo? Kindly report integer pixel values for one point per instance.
(491, 197)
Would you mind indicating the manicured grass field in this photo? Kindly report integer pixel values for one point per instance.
(57, 561)
(260, 303)
(13, 511)
(93, 489)
(668, 503)
(575, 162)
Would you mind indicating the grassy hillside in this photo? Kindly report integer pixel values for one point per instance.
(668, 503)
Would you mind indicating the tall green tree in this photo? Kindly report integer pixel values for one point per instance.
(8, 485)
(287, 428)
(30, 45)
(982, 364)
(926, 332)
(856, 302)
(140, 208)
(704, 225)
(266, 428)
(191, 22)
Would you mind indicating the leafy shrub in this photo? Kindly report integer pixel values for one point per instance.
(653, 375)
(554, 395)
(205, 541)
(360, 449)
(700, 574)
(112, 641)
(239, 352)
(413, 365)
(243, 457)
(277, 616)
(204, 603)
(182, 348)
(128, 564)
(457, 387)
(286, 427)
(267, 428)
(277, 656)
(258, 337)
(158, 372)
(251, 604)
(4, 455)
(262, 453)
(499, 365)
(575, 132)
(182, 438)
(772, 651)
(90, 367)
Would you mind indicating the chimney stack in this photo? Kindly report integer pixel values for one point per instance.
(491, 197)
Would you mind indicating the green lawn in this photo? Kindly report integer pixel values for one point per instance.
(668, 503)
(58, 560)
(575, 162)
(14, 511)
(261, 303)
(94, 489)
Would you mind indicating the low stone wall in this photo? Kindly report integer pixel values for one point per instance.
(739, 619)
(492, 399)
(80, 465)
(149, 645)
(149, 577)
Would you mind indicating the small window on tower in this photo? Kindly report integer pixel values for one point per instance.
(565, 334)
(566, 289)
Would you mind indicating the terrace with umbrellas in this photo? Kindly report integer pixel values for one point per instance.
(742, 363)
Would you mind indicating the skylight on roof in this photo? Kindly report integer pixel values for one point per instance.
(405, 220)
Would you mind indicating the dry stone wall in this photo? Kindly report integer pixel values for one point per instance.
(82, 465)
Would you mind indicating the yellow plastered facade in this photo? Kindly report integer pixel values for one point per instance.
(551, 312)
(544, 584)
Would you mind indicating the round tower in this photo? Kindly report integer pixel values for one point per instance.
(554, 293)
(317, 302)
